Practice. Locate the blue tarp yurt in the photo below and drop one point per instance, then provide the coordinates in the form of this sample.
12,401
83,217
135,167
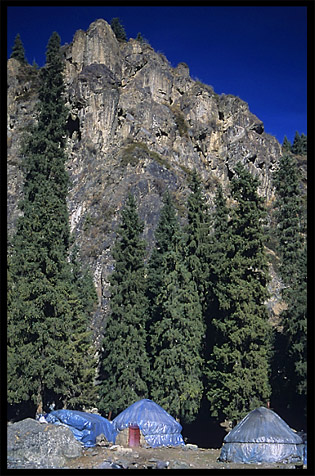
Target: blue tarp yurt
156,425
85,426
262,437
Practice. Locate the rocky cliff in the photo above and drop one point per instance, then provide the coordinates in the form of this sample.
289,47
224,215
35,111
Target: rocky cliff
135,124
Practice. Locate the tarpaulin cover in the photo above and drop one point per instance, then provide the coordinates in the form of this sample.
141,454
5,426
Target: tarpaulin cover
305,452
262,436
157,426
303,435
85,426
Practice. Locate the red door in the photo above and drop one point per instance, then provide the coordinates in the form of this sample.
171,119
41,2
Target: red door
134,436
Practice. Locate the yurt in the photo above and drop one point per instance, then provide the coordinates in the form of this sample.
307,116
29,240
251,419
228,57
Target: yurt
262,437
85,426
146,423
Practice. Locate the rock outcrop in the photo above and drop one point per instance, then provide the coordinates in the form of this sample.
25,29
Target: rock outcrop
35,445
135,124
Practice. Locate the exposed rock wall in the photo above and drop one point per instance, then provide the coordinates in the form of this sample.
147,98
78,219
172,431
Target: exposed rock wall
34,445
135,124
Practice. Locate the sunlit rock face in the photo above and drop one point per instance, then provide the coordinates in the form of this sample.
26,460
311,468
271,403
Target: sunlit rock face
136,124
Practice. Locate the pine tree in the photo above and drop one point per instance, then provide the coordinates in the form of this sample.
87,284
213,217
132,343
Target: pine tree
48,339
298,144
220,254
83,361
176,327
83,280
124,362
118,29
303,144
238,368
286,146
139,37
18,51
197,242
168,225
291,235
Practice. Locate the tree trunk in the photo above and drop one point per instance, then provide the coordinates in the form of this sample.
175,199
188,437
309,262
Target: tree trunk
39,400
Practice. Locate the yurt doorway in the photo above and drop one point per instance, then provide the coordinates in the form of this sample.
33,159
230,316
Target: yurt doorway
134,436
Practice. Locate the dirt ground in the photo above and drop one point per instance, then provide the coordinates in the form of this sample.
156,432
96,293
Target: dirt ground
174,458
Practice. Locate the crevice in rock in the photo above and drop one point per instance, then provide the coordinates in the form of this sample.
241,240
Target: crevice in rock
72,126
161,133
252,158
230,173
198,149
259,128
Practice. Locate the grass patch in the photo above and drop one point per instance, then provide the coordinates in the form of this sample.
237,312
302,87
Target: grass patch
159,159
207,87
186,170
134,152
129,154
26,95
180,121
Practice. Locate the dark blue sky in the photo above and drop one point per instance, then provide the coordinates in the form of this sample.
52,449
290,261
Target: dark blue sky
258,53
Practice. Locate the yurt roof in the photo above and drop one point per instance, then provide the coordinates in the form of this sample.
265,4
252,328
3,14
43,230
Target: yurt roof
149,417
262,425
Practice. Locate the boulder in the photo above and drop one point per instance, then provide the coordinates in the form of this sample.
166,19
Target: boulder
31,444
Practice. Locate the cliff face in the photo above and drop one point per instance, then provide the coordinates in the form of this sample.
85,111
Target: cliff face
135,124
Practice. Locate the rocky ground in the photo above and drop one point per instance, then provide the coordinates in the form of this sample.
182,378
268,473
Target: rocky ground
187,457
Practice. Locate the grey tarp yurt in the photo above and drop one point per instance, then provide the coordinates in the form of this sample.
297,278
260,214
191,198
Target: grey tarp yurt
262,436
155,424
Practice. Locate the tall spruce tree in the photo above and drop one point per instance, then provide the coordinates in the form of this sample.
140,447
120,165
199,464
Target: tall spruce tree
221,252
82,353
286,145
197,239
176,327
299,146
49,346
291,235
303,144
18,51
124,362
238,368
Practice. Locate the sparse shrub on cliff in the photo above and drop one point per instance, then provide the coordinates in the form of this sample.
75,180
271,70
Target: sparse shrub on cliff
118,29
159,159
129,155
180,120
134,152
